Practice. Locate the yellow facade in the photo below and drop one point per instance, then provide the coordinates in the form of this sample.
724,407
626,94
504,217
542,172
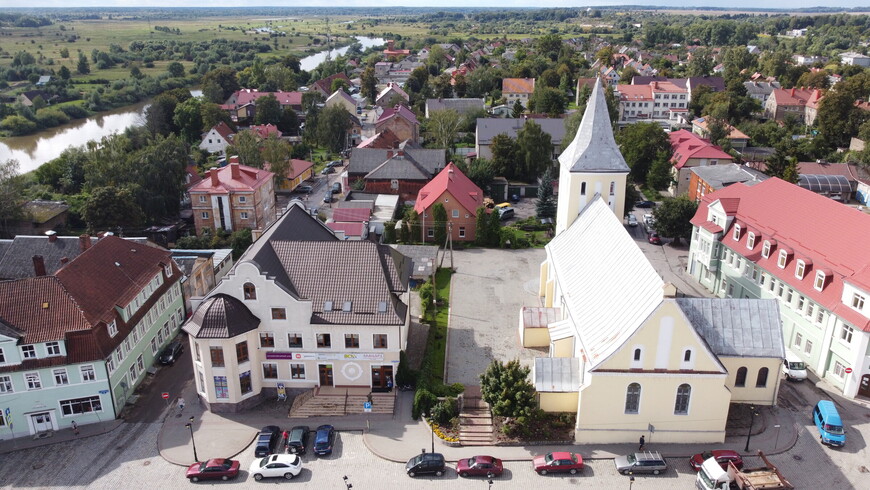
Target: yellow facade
535,337
751,392
563,348
577,189
558,402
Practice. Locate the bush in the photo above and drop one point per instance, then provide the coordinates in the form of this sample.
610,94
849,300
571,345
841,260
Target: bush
424,400
404,374
75,111
517,238
444,411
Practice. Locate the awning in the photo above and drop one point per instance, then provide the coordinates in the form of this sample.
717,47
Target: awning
828,184
557,374
561,330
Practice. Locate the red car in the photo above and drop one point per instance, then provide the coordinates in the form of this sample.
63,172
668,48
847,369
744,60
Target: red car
655,239
723,457
479,466
560,462
213,469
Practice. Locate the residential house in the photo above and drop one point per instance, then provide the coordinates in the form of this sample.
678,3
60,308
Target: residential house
38,217
29,97
222,259
423,260
804,60
784,103
751,49
264,131
690,150
402,171
462,106
756,242
341,98
217,138
350,223
197,269
393,51
324,85
43,80
233,198
705,180
853,58
241,105
488,128
517,89
737,138
76,344
401,121
391,96
298,172
715,84
610,75
280,317
760,91
386,139
460,197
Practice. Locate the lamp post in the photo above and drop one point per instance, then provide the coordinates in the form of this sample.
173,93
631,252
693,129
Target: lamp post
189,426
490,484
752,414
347,483
630,482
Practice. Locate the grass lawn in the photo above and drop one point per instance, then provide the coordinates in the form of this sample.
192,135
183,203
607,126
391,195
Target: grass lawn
436,345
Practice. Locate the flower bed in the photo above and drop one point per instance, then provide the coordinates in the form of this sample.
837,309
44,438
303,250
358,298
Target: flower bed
449,434
543,428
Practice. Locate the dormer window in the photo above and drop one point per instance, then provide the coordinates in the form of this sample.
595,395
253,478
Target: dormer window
736,232
799,269
765,250
168,270
820,281
783,257
113,328
750,240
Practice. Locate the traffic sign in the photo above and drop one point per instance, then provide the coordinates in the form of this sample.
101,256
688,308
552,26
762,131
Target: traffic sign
848,370
165,395
7,411
367,406
104,392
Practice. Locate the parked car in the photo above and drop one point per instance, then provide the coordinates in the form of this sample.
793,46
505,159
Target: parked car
327,171
515,198
794,367
324,439
171,353
645,462
327,197
505,213
654,238
297,442
266,440
644,204
649,219
558,462
425,464
336,188
632,220
723,457
479,466
275,466
213,469
305,189
335,163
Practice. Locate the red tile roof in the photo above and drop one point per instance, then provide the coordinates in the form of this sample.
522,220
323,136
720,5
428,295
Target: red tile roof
264,130
688,145
451,180
518,85
325,84
633,93
41,308
247,96
823,232
794,96
351,214
224,130
398,111
249,179
349,229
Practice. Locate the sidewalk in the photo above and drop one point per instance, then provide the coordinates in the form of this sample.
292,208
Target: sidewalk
57,437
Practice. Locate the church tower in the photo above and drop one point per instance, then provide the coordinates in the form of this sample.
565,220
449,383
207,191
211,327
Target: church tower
592,164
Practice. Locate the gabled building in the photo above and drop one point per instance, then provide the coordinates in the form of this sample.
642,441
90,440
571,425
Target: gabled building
690,150
775,240
232,198
402,171
711,178
462,106
217,138
760,90
391,96
37,217
401,121
488,128
264,131
739,140
298,172
241,105
517,89
341,98
460,197
300,309
324,85
793,102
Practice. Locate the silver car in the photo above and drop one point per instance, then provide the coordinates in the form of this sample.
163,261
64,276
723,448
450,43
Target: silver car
645,462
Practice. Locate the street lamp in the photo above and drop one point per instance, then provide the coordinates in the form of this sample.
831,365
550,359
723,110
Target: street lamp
630,482
346,483
752,414
490,483
189,426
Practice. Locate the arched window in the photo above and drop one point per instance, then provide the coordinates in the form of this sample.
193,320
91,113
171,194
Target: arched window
632,398
761,381
740,380
681,407
637,354
250,291
687,356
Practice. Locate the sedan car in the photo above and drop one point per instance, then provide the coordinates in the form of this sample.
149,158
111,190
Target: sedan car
723,457
297,442
479,466
632,220
276,466
327,197
335,163
213,469
558,462
327,171
324,439
644,204
171,353
336,188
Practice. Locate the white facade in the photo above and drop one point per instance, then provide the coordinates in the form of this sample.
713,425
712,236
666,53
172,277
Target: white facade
213,142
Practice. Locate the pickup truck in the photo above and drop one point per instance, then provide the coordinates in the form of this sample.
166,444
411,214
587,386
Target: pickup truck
713,477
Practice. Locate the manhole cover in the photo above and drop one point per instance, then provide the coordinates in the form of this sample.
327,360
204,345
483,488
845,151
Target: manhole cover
38,466
863,469
797,457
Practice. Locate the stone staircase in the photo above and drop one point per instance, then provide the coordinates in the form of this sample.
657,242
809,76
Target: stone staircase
337,402
475,420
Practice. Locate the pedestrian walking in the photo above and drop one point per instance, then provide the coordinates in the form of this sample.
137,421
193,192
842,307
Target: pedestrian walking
180,404
75,427
389,383
642,443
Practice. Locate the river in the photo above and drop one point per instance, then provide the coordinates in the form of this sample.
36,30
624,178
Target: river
33,150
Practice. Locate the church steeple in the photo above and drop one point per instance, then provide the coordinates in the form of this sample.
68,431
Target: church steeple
592,164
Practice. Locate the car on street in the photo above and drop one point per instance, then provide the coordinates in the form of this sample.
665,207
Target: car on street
649,219
334,163
723,457
632,220
558,462
327,171
276,466
654,238
213,469
297,442
324,439
171,353
327,197
642,462
425,464
644,204
479,466
266,440
305,189
336,188
505,213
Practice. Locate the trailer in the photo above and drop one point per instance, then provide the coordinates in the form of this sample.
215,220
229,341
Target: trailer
768,477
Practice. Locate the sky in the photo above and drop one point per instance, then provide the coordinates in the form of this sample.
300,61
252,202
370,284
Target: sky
782,4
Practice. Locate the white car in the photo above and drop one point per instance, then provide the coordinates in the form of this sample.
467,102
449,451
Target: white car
276,465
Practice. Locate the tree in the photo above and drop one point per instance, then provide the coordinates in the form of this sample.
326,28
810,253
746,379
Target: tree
546,205
632,195
481,171
518,109
188,119
369,87
641,143
504,153
659,176
672,218
64,73
332,126
442,127
83,67
439,219
534,151
175,69
482,236
212,114
701,63
222,83
268,110
276,151
507,390
246,145
550,101
159,115
159,175
109,208
11,188
390,237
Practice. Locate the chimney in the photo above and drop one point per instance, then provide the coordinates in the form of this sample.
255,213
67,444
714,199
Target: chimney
52,236
389,154
64,260
213,173
792,91
400,153
234,171
84,242
38,265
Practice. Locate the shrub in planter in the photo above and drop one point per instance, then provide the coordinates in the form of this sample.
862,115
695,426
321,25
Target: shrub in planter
424,400
404,374
444,411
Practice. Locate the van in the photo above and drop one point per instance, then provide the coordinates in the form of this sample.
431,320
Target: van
827,420
794,367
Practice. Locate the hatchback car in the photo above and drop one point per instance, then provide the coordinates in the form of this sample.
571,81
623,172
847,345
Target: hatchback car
336,188
276,466
335,163
266,440
213,469
654,238
645,462
297,442
327,197
632,220
505,213
723,457
324,439
558,462
425,464
171,353
479,466
327,171
644,204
